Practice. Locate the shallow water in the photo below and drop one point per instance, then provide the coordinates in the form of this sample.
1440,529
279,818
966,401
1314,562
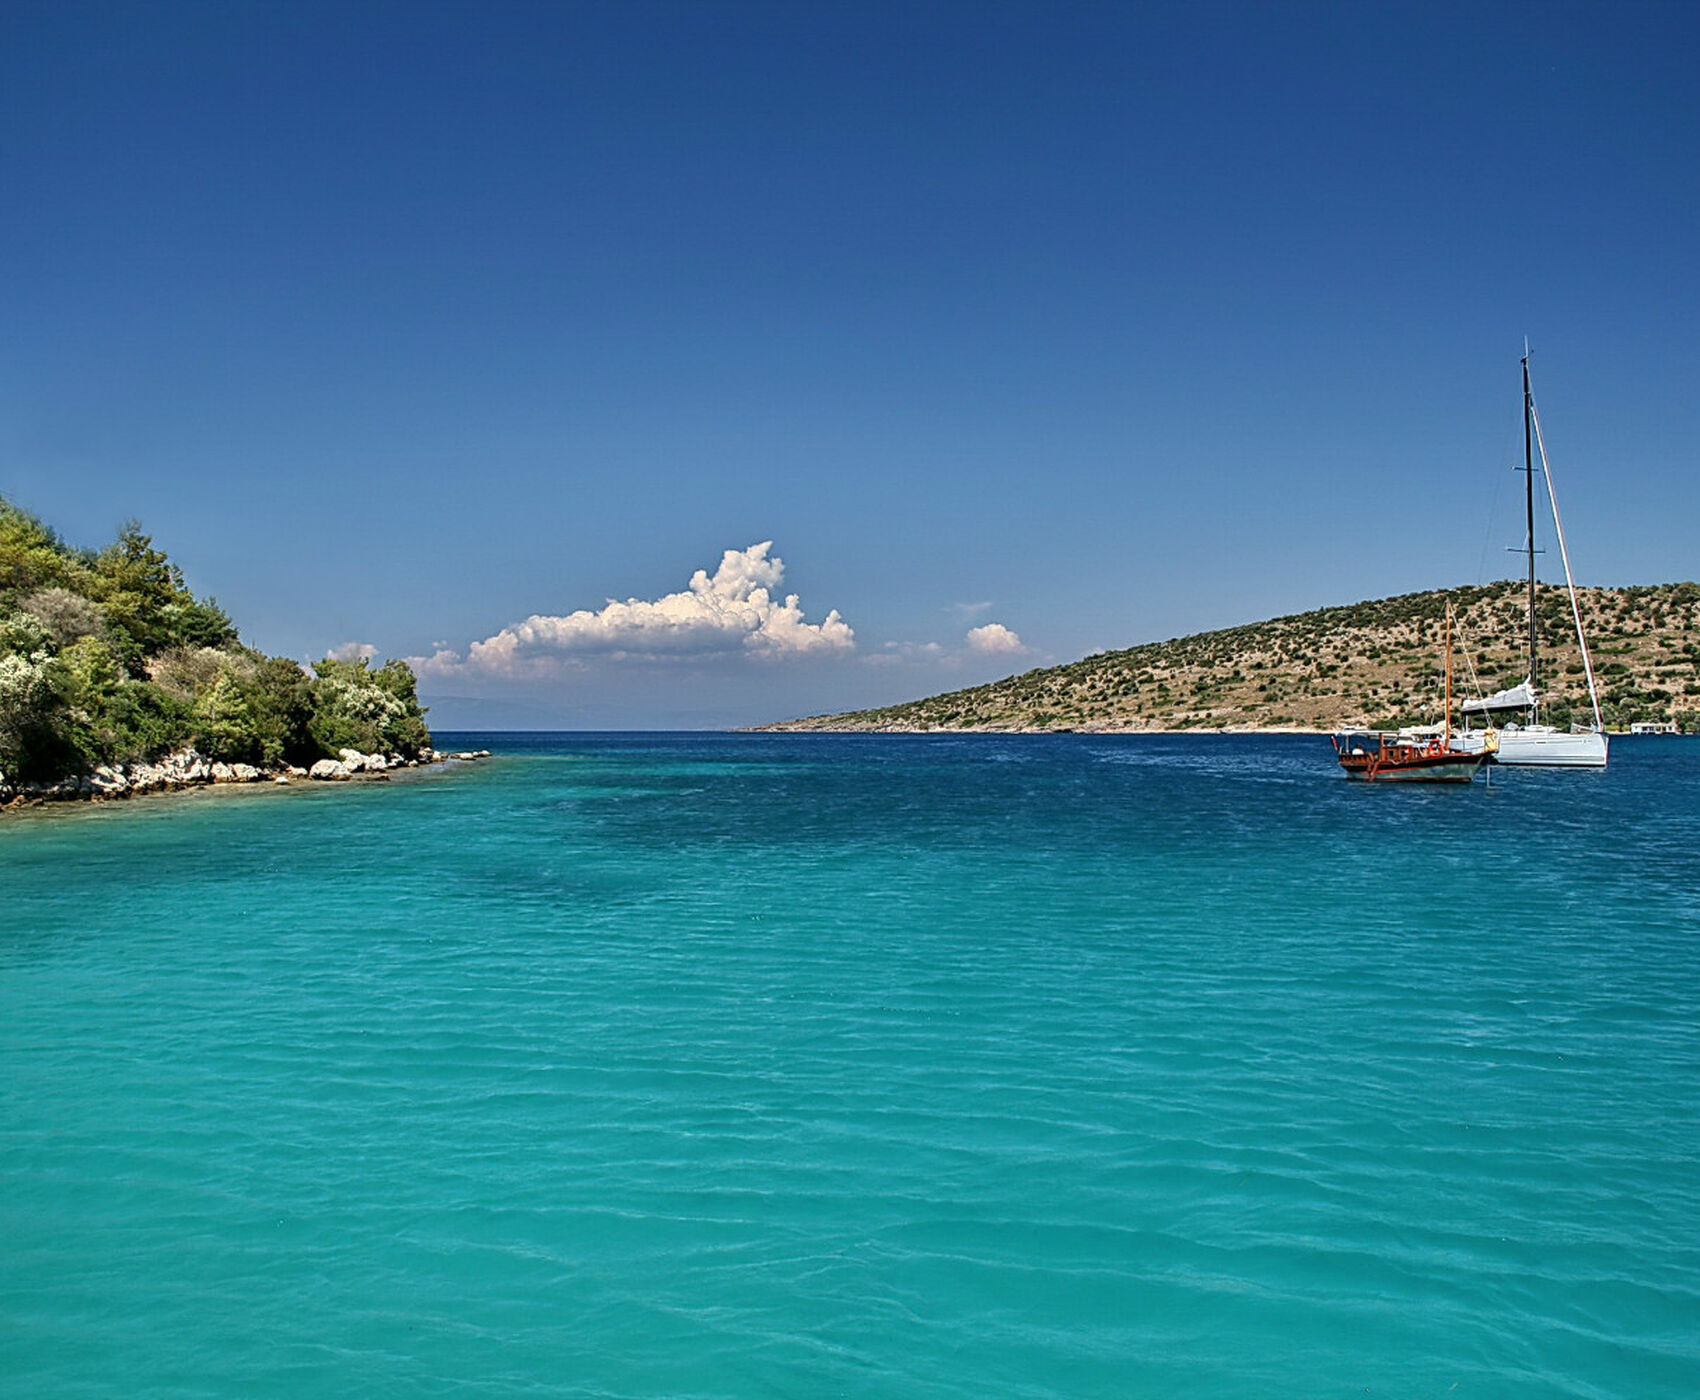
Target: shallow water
731,1066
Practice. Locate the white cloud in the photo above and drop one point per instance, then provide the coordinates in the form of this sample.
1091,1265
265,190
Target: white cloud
902,653
994,639
352,651
734,612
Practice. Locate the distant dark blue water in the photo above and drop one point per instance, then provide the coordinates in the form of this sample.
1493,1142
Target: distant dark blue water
715,1066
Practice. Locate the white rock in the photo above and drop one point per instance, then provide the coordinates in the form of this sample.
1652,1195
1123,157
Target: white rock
327,770
108,782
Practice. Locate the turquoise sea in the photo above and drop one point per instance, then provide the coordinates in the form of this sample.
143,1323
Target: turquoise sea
717,1067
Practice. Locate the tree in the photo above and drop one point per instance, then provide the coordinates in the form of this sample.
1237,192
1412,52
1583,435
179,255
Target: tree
143,596
355,707
34,557
31,715
224,721
274,699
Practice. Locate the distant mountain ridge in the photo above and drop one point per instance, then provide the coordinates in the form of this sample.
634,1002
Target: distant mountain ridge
1377,663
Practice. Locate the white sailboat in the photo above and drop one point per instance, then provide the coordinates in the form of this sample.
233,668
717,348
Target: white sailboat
1528,741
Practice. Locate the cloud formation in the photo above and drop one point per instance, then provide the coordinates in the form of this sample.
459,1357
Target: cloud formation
733,612
352,651
994,639
908,653
991,640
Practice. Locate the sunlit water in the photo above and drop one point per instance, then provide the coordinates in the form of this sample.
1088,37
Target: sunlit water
705,1067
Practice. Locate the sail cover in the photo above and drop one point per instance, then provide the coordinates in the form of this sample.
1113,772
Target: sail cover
1520,697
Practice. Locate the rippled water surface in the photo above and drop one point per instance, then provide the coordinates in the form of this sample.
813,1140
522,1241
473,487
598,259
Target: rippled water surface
742,1066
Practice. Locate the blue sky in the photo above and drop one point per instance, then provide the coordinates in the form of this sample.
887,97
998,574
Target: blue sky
431,328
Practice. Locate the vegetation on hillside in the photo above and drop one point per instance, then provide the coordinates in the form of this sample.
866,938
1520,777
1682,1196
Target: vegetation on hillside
106,657
1378,663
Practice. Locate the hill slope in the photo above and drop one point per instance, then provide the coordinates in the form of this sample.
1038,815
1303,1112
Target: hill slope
1375,663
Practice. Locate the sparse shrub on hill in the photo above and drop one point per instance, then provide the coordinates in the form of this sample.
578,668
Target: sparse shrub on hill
1378,661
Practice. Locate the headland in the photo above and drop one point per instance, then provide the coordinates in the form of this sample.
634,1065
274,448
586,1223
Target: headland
1375,664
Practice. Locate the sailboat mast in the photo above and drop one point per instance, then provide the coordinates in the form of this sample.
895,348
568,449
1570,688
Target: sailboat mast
1449,674
1529,503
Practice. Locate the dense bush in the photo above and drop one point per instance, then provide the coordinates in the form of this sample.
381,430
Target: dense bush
31,733
108,656
358,708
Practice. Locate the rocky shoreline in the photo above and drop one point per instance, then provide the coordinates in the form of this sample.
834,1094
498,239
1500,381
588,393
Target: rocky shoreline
186,769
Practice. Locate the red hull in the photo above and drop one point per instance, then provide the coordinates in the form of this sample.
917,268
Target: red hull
1411,763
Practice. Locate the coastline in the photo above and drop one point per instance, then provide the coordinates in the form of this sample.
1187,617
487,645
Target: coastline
808,727
188,771
1371,664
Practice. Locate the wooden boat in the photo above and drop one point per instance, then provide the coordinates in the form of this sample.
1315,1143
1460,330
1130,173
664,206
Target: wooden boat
1379,757
1410,755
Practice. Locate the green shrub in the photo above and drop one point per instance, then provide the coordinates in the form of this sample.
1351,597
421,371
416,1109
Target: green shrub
65,616
33,720
33,557
356,707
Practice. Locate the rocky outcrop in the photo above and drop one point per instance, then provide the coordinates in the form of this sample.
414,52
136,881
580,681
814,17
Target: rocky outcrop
178,770
187,769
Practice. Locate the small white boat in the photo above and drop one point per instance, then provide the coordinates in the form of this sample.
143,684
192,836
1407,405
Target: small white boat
1527,741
